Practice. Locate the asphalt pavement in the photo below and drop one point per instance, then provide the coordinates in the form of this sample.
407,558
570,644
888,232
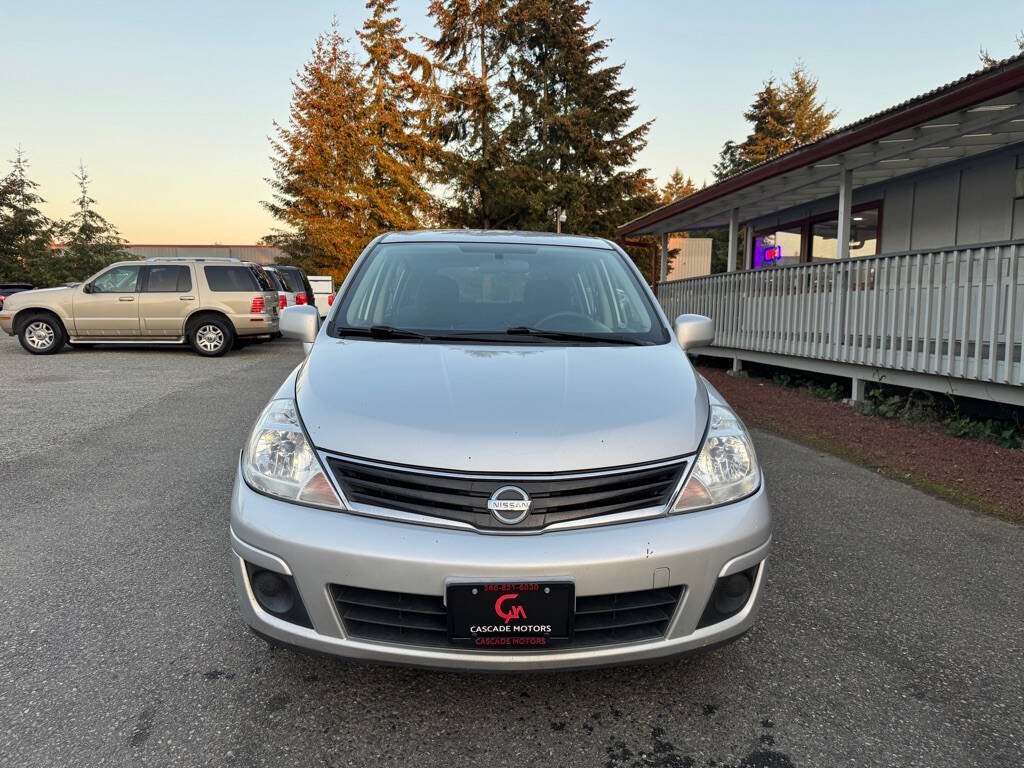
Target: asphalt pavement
892,632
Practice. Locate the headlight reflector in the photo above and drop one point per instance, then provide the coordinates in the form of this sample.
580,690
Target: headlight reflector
726,468
279,460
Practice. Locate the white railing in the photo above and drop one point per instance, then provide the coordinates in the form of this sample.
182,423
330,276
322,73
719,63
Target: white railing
953,313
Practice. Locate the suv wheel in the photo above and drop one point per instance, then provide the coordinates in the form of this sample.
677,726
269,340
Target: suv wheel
41,335
211,336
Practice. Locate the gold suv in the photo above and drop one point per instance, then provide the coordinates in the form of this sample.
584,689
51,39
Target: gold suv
208,303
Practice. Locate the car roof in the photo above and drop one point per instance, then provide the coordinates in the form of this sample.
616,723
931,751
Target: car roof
494,236
172,260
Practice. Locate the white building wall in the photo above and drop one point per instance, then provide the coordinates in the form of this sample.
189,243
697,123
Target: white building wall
692,257
965,203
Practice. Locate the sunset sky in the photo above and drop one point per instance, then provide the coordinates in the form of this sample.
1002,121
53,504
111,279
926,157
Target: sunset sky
170,105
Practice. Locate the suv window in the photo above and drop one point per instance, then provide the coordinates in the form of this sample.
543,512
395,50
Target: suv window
168,279
275,280
117,280
291,279
261,277
232,279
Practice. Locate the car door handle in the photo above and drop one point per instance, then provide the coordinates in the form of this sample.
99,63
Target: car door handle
126,298
187,298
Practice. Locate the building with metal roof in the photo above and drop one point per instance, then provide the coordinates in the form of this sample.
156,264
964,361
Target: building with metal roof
887,250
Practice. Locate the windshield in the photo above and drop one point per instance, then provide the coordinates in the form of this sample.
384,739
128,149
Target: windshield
498,292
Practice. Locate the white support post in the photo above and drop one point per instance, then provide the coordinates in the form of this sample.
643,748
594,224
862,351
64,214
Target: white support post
748,247
857,390
664,256
845,204
734,232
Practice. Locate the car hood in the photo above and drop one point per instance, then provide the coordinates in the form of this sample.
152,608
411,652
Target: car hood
500,408
15,300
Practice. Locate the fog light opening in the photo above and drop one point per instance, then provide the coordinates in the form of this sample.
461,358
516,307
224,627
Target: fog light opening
732,593
272,593
730,596
277,594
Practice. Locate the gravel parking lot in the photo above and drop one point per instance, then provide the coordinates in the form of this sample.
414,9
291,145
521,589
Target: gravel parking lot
890,636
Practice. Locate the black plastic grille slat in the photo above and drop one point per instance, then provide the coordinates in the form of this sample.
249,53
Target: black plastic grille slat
374,598
625,600
389,618
422,620
555,499
631,617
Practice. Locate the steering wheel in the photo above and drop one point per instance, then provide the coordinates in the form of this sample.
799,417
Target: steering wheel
577,322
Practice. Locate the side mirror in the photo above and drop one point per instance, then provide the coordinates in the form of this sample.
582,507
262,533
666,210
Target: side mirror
300,321
87,288
694,331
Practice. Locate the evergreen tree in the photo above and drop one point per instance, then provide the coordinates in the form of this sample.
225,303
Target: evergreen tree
570,135
470,50
772,126
987,60
677,187
808,118
730,161
89,241
322,189
399,131
782,117
25,233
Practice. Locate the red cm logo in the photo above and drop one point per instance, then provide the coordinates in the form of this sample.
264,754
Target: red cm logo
514,611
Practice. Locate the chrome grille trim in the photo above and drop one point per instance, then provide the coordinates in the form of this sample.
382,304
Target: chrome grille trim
684,463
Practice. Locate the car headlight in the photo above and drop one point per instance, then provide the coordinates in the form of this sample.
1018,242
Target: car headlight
280,461
726,468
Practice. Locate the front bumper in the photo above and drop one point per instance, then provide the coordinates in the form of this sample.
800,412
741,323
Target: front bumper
7,322
319,548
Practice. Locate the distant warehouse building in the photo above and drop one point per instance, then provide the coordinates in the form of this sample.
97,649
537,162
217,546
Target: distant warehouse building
257,254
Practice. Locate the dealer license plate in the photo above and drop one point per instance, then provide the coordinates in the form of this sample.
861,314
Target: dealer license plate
511,616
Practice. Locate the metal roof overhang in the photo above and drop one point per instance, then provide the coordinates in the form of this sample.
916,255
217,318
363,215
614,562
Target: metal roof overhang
979,114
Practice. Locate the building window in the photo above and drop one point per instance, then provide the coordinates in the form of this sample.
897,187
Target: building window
778,247
864,225
814,239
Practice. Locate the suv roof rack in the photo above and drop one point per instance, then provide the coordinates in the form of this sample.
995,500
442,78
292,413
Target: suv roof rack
194,258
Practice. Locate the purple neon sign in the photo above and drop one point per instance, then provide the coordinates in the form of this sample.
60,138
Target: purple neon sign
766,254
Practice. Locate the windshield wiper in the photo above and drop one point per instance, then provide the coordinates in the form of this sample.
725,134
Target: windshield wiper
523,330
381,332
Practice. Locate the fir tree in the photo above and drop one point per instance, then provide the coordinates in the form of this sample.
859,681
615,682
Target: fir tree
782,117
730,161
322,190
772,126
677,187
470,50
89,241
399,126
987,60
808,118
570,136
25,233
